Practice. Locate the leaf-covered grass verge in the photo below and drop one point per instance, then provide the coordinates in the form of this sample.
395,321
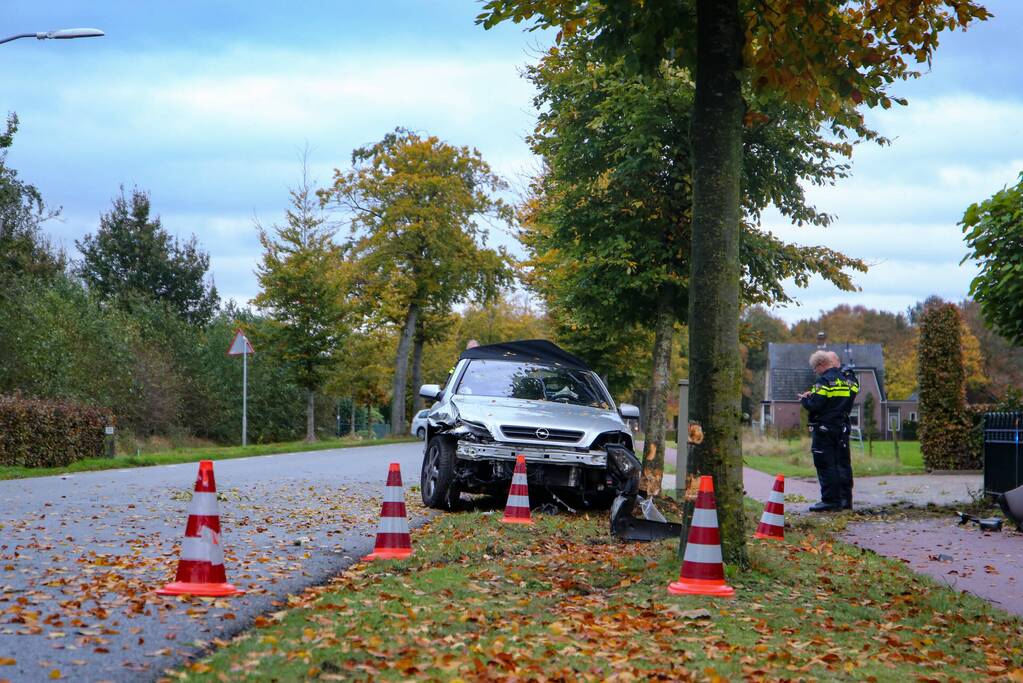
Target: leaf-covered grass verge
175,456
561,601
792,458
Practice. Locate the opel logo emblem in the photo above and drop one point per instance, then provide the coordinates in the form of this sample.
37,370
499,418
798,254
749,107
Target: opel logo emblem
542,433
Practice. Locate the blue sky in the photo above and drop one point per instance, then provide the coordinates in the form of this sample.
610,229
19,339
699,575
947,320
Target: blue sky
207,106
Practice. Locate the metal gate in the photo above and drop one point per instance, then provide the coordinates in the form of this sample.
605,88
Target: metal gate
1003,451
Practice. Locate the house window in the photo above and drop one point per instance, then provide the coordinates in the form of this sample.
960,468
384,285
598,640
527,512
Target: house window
854,416
894,420
912,416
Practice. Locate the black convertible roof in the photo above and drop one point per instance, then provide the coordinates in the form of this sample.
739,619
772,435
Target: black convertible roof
527,351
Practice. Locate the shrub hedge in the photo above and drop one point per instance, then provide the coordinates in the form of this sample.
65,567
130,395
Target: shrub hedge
49,433
947,428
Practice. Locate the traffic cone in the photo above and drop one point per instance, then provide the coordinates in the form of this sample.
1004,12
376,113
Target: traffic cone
702,570
517,509
393,539
201,564
772,522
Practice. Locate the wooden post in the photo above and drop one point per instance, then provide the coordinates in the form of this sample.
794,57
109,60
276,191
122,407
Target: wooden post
895,442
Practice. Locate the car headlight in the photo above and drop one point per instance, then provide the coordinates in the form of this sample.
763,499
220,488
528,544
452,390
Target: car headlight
623,461
470,428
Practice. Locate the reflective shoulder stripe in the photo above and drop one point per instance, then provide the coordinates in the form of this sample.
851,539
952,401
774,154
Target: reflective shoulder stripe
831,391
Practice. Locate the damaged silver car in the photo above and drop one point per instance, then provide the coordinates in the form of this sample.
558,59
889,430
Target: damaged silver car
532,398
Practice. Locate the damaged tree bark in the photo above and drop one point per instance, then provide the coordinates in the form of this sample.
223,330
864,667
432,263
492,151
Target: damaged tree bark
654,441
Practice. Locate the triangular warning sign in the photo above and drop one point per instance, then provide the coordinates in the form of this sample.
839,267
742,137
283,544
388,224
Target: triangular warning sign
240,345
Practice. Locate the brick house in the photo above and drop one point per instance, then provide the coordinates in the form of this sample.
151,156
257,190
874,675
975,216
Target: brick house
788,375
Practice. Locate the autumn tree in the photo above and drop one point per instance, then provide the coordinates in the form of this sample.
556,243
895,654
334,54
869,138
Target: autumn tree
416,204
831,56
900,369
607,227
132,255
507,317
432,326
1002,362
759,328
302,291
363,369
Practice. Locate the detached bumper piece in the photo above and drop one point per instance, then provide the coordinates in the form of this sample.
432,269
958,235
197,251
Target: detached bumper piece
625,469
628,528
985,524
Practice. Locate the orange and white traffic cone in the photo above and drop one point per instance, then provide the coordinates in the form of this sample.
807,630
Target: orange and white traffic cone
201,565
772,522
393,539
517,509
703,573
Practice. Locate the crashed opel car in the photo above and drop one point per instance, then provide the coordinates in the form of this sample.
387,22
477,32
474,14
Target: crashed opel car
533,399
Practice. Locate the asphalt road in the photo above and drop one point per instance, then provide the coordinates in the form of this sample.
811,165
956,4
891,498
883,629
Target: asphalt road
80,555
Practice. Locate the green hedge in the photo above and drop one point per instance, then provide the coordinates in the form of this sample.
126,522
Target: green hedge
49,433
947,438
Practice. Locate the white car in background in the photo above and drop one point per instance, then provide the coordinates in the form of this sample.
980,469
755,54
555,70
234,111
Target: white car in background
419,424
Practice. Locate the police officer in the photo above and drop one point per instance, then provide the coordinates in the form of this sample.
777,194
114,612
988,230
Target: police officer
845,460
829,403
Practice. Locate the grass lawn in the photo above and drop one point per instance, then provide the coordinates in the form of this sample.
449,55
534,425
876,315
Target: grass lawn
171,457
561,601
792,458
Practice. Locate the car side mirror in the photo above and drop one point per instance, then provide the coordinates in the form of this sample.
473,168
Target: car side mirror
430,391
628,411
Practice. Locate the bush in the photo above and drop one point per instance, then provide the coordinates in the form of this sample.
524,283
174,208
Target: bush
47,433
947,428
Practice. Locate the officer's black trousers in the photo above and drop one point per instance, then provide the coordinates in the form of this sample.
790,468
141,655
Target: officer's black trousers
830,447
845,472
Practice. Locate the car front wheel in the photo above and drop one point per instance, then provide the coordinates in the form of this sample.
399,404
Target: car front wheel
438,477
420,433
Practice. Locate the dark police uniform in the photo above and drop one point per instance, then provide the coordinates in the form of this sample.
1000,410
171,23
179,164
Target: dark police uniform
829,403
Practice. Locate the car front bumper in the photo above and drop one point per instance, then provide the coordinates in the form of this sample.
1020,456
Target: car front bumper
552,455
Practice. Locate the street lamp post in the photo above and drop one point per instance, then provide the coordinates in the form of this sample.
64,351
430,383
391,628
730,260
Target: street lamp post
62,34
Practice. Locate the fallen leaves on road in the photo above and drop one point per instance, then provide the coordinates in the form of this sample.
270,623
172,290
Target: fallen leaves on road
482,601
80,574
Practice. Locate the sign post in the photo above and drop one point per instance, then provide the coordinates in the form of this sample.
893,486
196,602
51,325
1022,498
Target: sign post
240,346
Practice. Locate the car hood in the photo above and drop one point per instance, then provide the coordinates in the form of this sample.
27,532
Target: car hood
497,413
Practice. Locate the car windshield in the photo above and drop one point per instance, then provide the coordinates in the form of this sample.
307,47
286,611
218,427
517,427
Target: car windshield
508,379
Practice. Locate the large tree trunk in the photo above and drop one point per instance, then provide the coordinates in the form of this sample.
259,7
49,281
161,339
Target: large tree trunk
399,427
351,416
653,445
417,370
310,416
715,369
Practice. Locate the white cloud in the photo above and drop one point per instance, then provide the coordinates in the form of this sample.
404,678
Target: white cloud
215,137
899,211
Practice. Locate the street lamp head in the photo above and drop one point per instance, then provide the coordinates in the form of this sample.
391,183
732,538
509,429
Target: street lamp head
68,33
